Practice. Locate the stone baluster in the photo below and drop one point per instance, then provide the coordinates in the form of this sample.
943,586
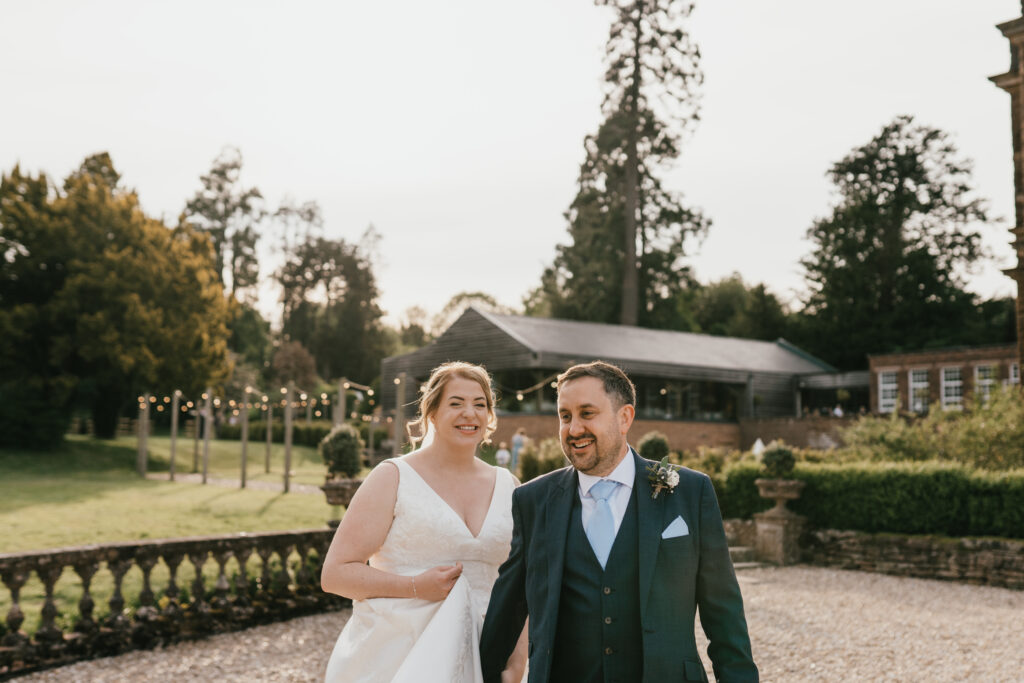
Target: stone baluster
303,576
86,624
172,560
146,562
242,591
118,568
48,634
222,587
198,559
14,579
265,552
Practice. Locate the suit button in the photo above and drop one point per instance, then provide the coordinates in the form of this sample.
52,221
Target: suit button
607,590
607,620
607,650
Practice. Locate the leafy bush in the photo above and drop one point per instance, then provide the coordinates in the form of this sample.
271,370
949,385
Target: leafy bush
342,451
653,446
711,461
540,459
909,498
778,461
988,435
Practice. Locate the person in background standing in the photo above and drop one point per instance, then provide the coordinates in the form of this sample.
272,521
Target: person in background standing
518,441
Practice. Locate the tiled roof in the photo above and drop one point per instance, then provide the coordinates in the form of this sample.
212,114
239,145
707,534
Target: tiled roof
638,344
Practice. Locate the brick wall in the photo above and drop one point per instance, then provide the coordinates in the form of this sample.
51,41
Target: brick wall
804,432
990,562
966,359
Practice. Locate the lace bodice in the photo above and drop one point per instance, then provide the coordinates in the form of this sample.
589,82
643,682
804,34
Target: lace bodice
427,532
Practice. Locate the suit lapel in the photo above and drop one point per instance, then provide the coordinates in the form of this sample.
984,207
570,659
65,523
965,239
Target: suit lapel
556,528
651,513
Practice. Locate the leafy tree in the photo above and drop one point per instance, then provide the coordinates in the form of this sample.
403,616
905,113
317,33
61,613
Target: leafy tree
414,330
330,301
293,363
729,308
250,337
628,232
122,304
886,270
231,215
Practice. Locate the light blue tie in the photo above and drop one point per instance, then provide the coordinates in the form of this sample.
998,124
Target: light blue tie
601,530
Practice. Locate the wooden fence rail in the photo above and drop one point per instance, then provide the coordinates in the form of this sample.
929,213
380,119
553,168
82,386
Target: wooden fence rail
273,576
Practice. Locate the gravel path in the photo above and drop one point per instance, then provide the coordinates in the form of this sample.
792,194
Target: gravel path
806,623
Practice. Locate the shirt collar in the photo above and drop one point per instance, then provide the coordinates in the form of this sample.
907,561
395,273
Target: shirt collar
624,473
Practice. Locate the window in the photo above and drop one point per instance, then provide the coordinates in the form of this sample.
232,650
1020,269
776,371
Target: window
1014,373
919,391
888,391
984,380
952,388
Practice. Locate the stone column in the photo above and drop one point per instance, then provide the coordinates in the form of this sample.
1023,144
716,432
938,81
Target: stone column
1011,82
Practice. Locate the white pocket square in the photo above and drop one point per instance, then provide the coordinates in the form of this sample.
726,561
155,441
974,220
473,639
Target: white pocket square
676,528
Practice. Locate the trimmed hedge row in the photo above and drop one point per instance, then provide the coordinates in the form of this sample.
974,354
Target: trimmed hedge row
908,498
303,433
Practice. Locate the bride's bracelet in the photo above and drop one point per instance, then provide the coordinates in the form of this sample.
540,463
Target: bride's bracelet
414,594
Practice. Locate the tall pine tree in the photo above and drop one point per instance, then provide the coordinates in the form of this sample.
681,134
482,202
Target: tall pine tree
628,231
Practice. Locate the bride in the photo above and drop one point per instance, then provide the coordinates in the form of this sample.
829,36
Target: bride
434,526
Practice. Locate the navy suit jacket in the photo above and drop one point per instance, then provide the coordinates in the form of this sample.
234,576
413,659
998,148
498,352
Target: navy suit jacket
677,576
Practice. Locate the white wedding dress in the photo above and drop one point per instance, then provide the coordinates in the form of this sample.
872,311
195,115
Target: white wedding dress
404,640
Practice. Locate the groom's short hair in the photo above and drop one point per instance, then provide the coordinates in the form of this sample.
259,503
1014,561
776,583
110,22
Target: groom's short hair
616,384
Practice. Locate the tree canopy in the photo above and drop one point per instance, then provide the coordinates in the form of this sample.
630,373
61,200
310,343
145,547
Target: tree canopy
99,302
886,272
628,232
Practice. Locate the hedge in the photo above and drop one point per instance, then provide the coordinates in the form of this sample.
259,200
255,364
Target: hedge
908,498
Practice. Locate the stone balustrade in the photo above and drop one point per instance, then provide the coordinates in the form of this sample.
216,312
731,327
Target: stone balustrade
275,576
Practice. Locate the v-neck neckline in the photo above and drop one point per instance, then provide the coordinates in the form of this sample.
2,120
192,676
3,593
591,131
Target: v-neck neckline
487,515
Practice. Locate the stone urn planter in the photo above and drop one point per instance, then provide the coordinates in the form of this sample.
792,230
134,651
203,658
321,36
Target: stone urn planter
342,451
778,529
780,490
339,493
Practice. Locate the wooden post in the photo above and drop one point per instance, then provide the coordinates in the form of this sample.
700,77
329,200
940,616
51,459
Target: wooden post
140,459
198,415
339,406
309,407
288,435
245,432
270,433
175,409
207,428
398,432
370,431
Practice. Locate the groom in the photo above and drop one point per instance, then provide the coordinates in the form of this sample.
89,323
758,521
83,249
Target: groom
609,570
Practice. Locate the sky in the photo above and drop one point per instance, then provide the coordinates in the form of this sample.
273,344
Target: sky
456,127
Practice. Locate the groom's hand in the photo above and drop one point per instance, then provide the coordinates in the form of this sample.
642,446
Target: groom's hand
435,584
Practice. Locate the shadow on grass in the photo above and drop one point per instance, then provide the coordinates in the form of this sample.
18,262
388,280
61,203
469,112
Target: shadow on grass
79,469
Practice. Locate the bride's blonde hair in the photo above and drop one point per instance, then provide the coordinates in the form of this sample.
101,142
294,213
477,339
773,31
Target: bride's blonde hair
433,390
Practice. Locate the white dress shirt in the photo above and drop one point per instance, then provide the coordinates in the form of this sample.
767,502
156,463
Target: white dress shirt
625,474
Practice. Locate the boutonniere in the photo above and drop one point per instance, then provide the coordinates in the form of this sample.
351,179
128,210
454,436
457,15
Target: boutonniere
662,476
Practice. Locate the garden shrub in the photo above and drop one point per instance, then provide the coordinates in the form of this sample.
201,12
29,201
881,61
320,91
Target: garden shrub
778,461
909,498
988,435
653,446
540,459
342,451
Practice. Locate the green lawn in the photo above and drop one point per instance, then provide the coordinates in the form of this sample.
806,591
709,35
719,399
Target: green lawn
88,492
226,459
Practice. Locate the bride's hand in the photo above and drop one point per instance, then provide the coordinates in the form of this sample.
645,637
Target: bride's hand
435,584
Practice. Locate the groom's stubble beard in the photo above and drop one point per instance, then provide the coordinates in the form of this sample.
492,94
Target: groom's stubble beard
603,456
